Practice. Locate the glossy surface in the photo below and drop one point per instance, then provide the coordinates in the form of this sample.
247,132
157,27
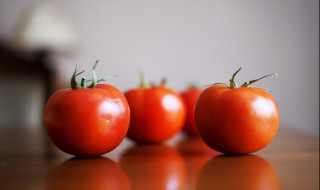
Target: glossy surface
236,121
157,114
158,164
190,97
90,173
247,172
29,161
87,122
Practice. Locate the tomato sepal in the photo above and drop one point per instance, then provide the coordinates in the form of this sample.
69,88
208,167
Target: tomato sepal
233,84
144,83
83,84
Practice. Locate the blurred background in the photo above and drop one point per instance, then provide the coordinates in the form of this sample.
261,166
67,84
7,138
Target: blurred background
189,42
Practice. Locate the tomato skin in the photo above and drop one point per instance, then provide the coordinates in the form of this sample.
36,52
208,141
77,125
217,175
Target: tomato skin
87,122
190,97
157,114
236,121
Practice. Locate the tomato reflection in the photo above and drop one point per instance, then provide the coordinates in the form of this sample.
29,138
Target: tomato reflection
82,174
155,166
195,146
238,172
195,153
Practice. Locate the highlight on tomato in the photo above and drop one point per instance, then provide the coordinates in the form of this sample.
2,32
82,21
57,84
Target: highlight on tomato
87,120
157,112
190,97
236,119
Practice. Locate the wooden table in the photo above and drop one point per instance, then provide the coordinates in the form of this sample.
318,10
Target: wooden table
29,161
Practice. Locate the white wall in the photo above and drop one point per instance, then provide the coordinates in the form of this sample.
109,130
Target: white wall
201,42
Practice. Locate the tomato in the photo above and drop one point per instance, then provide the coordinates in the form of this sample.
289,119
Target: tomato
93,173
248,172
154,166
87,121
236,120
157,113
190,97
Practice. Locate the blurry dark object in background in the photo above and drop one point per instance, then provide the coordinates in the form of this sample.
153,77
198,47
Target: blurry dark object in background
29,62
15,64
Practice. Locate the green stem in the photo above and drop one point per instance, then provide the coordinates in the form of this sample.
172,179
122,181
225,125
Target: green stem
232,83
163,81
94,76
246,84
143,81
83,82
74,84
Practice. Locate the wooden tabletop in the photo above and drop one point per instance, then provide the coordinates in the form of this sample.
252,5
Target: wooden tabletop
28,160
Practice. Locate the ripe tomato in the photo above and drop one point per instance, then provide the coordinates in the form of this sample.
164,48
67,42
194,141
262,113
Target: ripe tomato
190,97
157,113
87,121
236,120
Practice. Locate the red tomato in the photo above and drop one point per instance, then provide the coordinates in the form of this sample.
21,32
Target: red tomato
87,121
190,97
157,114
236,120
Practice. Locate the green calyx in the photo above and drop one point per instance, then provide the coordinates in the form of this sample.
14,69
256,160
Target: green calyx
233,84
83,83
144,83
